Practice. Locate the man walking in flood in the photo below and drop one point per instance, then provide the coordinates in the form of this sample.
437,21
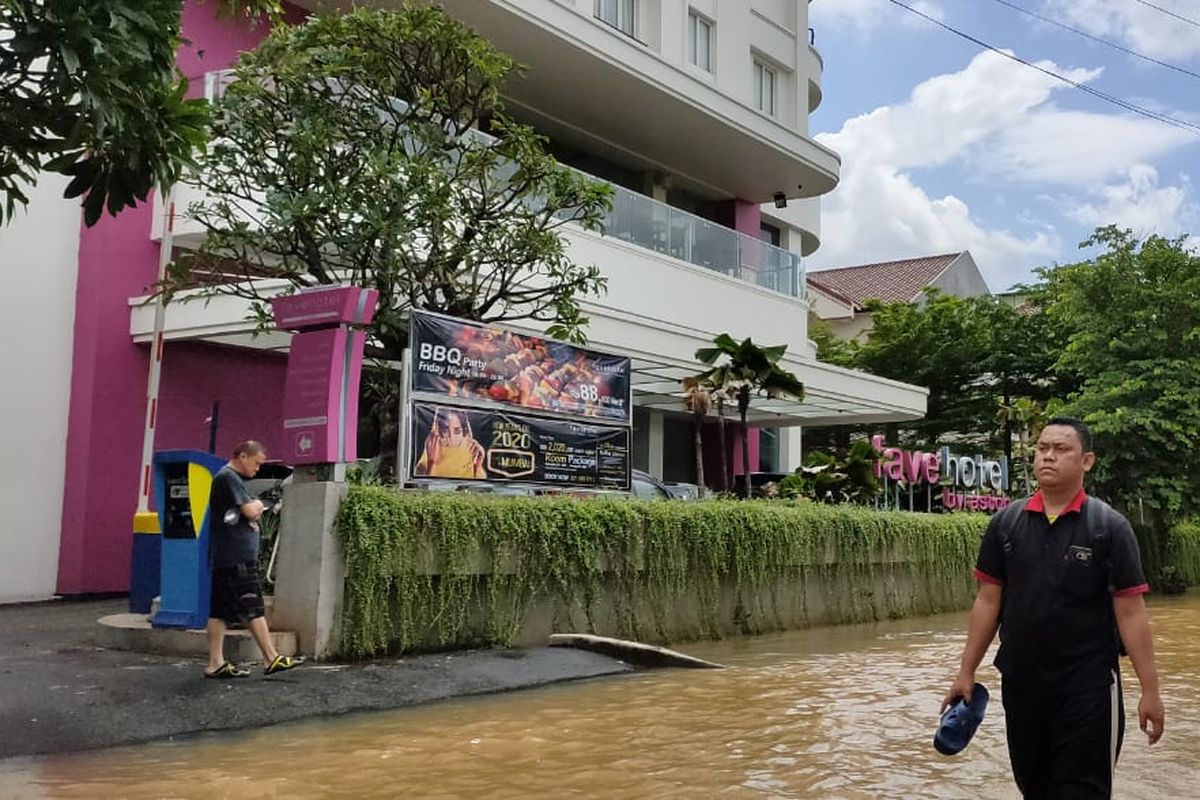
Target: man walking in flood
233,542
1060,577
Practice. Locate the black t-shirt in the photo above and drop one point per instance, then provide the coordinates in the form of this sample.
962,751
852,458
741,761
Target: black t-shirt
236,543
1057,626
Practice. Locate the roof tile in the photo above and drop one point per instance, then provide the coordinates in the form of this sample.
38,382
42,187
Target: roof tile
889,281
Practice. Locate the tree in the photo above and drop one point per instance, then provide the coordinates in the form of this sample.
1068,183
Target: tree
1133,314
698,401
747,370
831,348
89,89
348,150
1025,418
971,353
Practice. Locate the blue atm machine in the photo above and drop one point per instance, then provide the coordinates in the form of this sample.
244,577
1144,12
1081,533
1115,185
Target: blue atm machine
182,482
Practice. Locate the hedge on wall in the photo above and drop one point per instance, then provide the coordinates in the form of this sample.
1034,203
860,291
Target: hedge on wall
436,570
1182,556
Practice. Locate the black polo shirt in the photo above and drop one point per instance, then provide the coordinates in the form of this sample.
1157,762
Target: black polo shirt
1057,626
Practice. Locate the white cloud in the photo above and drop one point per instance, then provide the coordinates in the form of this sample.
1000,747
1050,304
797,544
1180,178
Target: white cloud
1079,147
1140,27
992,123
878,214
1139,203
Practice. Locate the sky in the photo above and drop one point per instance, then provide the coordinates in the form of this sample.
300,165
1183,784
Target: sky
946,146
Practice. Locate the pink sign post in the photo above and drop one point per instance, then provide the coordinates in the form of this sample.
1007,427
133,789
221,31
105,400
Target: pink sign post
320,396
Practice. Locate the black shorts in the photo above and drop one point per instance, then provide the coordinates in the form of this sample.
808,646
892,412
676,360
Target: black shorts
1064,744
236,594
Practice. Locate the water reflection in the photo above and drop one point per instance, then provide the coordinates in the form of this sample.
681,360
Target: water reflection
830,713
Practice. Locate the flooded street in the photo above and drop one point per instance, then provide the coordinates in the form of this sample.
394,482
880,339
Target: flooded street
832,713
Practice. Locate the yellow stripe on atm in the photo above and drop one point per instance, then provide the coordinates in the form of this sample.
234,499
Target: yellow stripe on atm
146,522
199,484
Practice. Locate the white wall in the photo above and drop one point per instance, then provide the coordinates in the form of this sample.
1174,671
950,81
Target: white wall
679,301
39,256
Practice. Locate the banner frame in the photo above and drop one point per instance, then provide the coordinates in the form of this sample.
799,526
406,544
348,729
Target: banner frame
482,403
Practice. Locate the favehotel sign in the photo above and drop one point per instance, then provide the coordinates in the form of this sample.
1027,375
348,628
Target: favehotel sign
960,478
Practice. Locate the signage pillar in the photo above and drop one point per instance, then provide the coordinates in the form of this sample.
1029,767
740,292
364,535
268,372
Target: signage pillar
320,396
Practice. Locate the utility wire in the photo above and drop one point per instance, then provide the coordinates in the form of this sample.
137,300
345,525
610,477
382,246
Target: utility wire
1145,112
1169,13
1086,35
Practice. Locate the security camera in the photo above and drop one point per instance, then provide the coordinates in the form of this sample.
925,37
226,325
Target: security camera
780,200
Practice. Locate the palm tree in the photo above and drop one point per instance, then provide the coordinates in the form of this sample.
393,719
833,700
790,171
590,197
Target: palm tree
715,384
747,370
1025,417
698,401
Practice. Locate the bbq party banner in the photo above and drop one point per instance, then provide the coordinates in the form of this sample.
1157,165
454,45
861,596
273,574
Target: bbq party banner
464,444
464,359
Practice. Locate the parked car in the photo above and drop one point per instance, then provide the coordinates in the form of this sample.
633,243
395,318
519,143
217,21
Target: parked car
645,486
686,491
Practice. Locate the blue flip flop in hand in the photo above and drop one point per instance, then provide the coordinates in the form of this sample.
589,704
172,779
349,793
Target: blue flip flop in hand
960,721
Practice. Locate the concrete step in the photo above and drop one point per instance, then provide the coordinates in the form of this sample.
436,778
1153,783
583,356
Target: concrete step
134,632
268,608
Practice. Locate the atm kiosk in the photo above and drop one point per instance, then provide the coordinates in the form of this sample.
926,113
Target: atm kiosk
182,482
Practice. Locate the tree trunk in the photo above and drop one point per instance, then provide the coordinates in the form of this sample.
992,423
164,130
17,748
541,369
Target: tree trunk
743,410
724,448
1008,429
388,417
1025,462
697,432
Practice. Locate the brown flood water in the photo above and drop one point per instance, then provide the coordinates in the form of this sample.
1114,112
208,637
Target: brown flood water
831,713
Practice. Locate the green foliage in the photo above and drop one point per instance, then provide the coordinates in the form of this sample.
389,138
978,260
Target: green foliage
1024,418
1134,319
829,478
89,89
1182,567
830,347
353,143
745,369
430,571
972,353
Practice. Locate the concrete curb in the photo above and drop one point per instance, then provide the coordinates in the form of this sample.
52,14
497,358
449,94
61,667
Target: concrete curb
133,632
636,653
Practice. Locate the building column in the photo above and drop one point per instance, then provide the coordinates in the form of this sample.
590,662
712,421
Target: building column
791,448
657,437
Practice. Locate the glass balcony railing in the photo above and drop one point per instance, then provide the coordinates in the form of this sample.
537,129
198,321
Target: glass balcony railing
646,222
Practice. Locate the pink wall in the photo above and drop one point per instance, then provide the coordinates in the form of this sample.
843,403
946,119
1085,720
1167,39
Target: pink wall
247,384
108,387
744,217
117,260
737,449
216,43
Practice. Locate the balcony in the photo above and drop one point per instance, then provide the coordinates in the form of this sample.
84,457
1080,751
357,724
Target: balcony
596,89
634,218
648,223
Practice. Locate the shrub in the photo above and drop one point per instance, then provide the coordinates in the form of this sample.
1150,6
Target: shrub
437,570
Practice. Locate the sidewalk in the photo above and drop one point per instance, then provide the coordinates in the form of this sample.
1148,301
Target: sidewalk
60,692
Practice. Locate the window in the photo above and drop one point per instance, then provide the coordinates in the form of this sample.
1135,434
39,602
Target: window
215,83
768,449
618,13
770,234
700,41
764,88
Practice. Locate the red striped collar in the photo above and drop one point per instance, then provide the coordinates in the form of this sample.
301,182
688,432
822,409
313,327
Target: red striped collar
1037,503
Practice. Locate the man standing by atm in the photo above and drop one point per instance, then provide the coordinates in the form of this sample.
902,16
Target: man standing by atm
233,543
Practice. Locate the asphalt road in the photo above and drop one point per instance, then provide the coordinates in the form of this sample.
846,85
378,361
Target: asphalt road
60,692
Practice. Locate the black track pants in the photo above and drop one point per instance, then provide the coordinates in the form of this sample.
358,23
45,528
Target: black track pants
1063,743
